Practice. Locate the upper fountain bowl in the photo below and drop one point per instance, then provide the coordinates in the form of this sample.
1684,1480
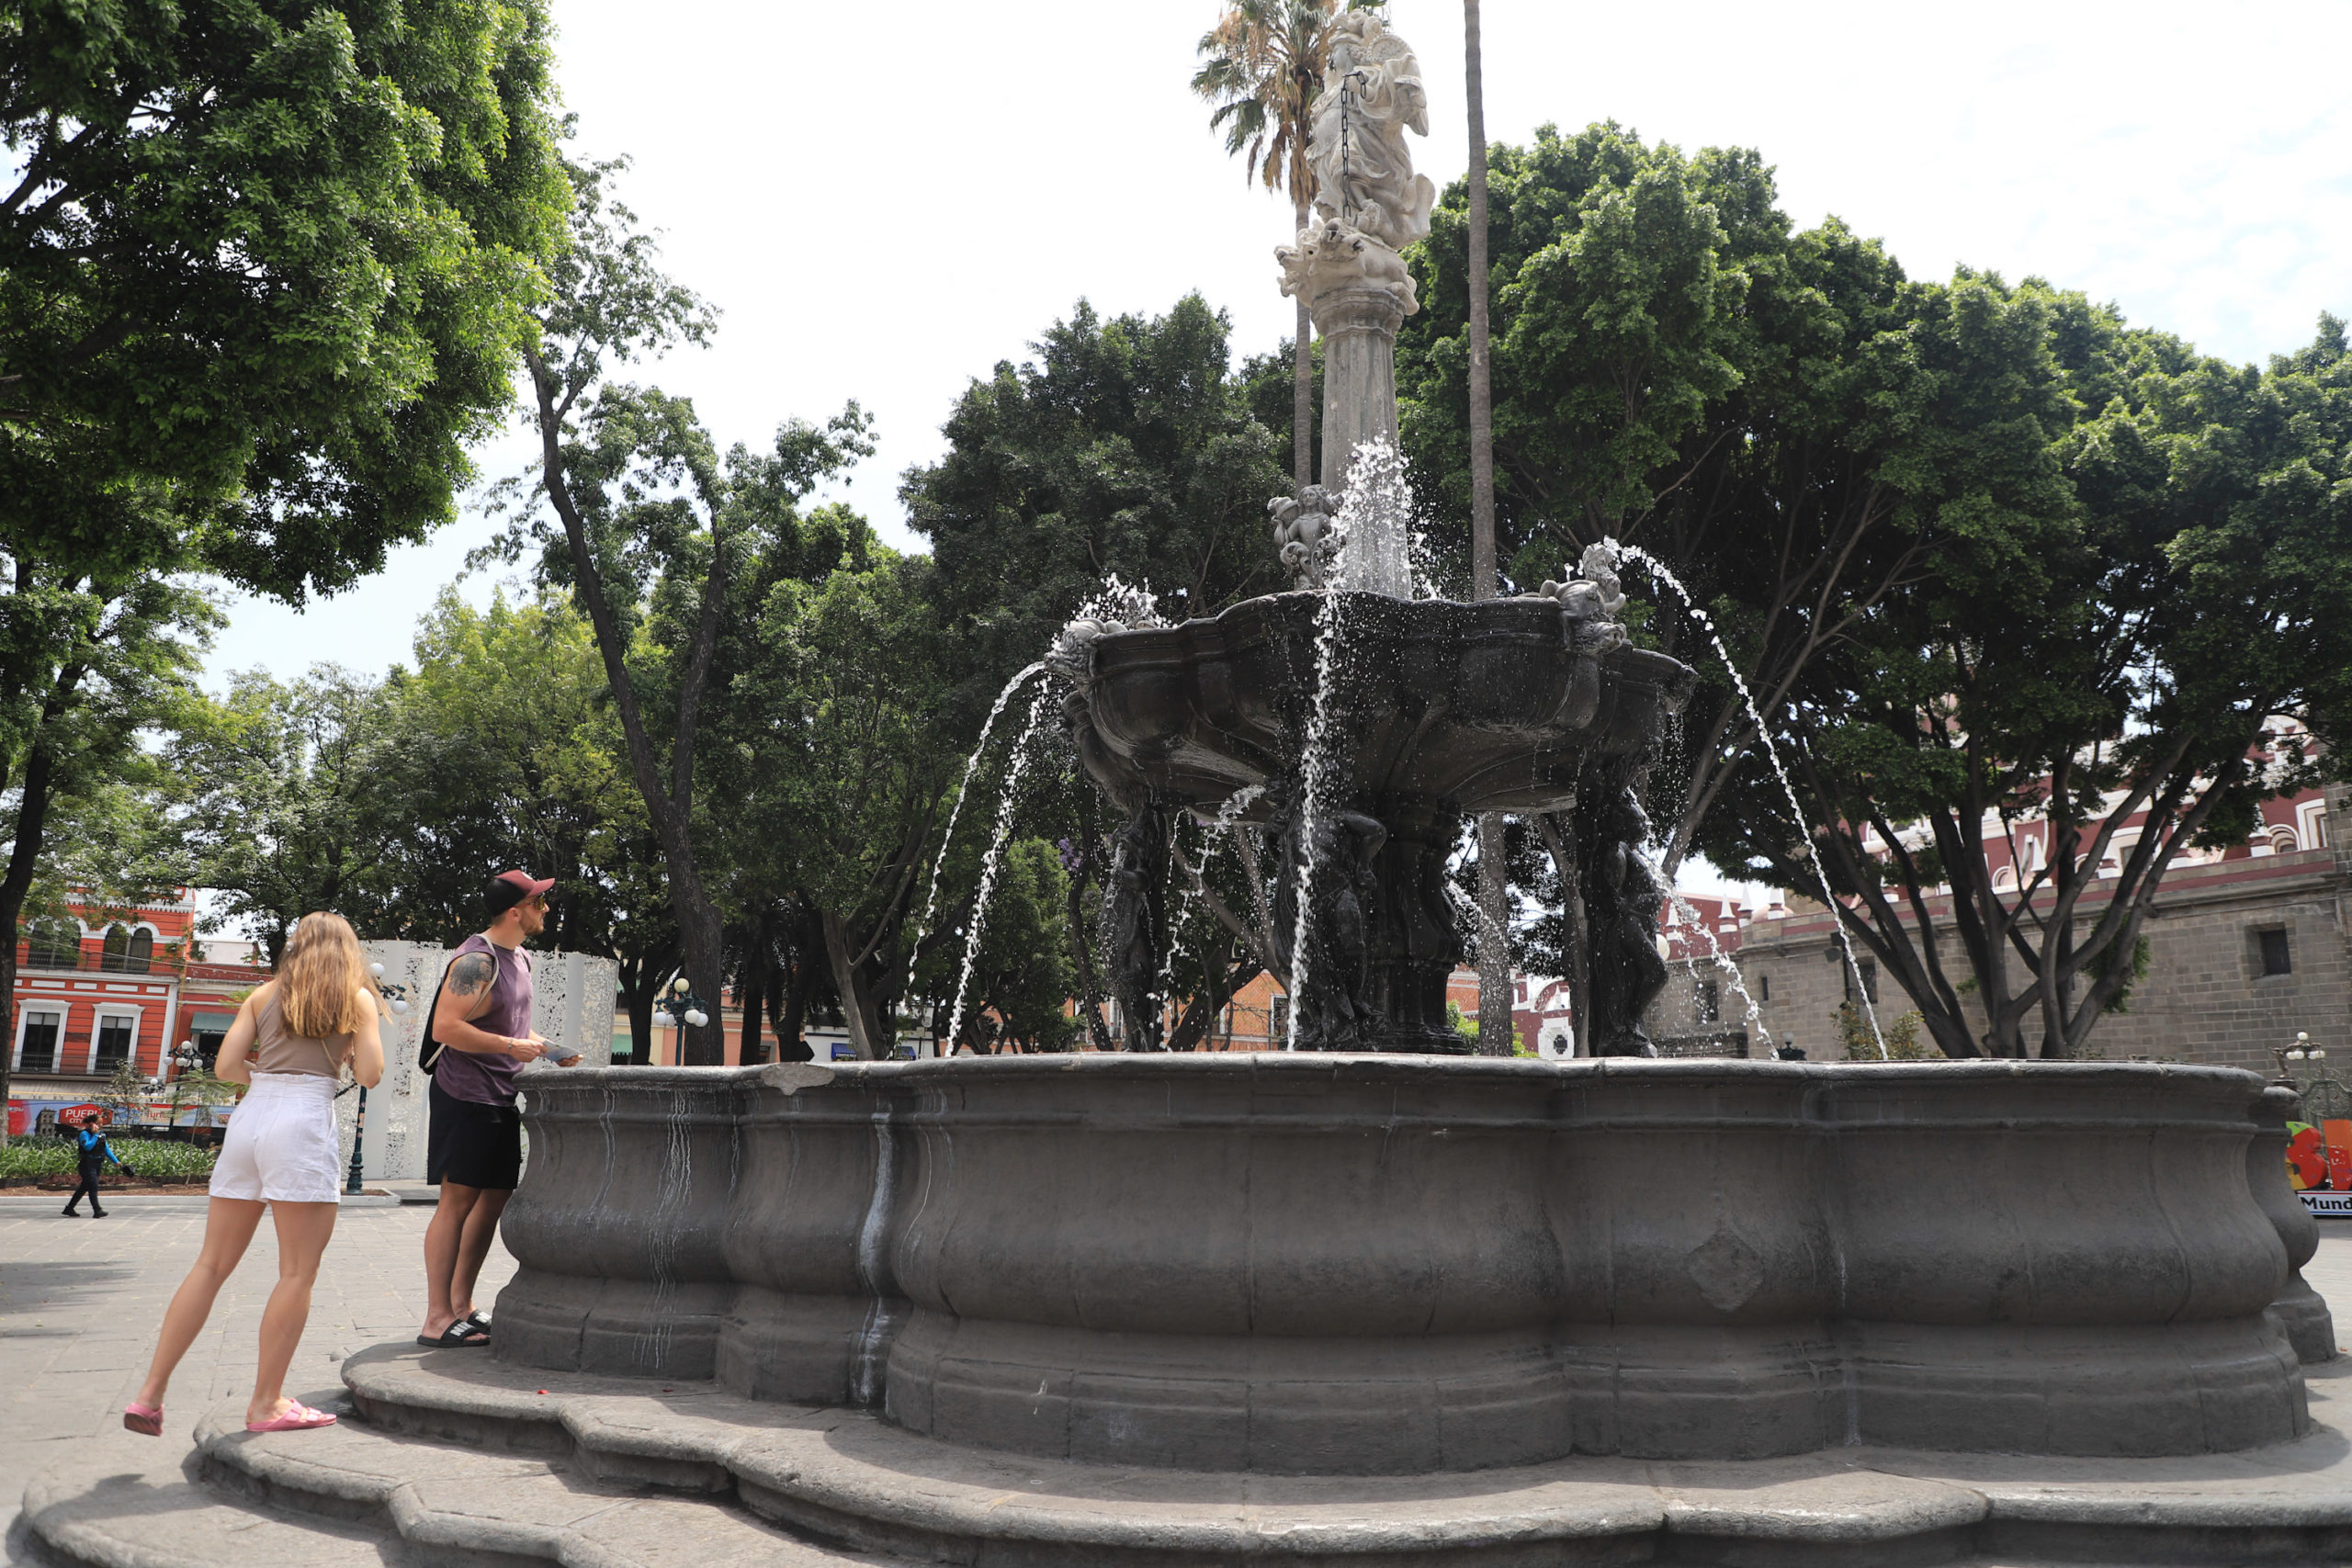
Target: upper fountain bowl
1495,705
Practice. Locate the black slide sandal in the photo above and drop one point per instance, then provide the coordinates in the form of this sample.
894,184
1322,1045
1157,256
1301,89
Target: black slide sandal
464,1332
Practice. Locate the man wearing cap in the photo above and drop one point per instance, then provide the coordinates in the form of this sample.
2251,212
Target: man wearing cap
476,1039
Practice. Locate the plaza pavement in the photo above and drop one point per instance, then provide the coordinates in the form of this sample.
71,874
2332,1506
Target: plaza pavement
80,1299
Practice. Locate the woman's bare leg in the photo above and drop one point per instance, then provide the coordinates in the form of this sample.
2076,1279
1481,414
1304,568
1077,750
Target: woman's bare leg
303,1230
228,1227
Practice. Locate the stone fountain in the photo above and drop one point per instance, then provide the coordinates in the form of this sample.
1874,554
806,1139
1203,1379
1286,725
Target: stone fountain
1413,710
1366,1301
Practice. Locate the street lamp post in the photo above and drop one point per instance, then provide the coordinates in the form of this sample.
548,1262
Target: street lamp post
676,1010
183,1056
2323,1097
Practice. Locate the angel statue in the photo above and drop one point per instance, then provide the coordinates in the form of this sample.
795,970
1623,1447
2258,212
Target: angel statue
1371,94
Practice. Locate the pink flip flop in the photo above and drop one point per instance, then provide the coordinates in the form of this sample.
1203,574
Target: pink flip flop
299,1417
147,1418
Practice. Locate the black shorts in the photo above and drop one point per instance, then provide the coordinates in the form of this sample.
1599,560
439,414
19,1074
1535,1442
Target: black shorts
471,1143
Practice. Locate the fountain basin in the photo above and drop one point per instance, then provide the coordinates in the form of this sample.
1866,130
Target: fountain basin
1330,1264
1486,706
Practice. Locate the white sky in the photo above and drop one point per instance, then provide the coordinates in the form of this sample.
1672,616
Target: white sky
884,200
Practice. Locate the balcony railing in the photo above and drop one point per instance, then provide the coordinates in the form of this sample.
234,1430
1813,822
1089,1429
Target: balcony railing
91,960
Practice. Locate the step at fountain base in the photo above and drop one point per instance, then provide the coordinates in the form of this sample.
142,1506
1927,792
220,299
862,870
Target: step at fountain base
459,1459
455,1460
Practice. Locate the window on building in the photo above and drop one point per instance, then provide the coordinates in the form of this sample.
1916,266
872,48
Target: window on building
41,1032
1277,1017
1869,966
127,951
1763,987
51,945
1710,1002
113,1041
2310,824
2276,959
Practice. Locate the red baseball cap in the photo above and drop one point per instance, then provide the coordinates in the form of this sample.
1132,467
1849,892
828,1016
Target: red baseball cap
509,888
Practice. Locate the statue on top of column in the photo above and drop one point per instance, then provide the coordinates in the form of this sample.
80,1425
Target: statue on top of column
1372,96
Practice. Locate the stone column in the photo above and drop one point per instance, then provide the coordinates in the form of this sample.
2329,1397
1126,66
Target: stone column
1359,293
1358,324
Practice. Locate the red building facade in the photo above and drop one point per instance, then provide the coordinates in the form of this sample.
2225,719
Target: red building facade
101,987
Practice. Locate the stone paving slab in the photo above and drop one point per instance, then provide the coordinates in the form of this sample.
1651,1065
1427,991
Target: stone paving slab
81,1300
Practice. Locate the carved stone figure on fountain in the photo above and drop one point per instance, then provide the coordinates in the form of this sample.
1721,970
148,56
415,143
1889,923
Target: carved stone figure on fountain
1622,895
1369,205
1329,257
1363,171
1594,601
1134,922
1306,535
1335,1008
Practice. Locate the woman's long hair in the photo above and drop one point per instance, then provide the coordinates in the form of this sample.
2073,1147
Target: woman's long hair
321,976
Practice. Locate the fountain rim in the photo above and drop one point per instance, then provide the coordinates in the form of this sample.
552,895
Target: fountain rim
792,1076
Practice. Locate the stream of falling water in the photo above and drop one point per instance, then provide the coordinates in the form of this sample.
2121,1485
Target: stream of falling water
1228,812
1773,752
993,861
971,763
1311,766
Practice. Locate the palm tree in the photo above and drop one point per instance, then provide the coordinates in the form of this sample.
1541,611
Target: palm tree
1262,67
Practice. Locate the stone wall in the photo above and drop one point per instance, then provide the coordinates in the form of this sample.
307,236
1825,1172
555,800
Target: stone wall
2203,999
571,1002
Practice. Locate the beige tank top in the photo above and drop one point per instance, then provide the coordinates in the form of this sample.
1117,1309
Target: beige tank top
278,1050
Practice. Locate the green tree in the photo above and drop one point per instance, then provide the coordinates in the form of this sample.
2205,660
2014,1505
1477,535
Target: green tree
844,770
1780,417
2128,661
516,758
294,796
650,522
263,269
87,665
1023,977
1125,449
273,257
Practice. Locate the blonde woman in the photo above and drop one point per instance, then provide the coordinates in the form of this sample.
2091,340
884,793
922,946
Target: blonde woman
291,1041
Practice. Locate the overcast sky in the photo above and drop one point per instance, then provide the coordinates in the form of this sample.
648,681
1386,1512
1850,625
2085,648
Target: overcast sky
886,200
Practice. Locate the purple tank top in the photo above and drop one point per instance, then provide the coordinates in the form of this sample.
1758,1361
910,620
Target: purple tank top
490,1080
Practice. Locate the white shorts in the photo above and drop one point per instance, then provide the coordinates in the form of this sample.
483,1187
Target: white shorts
282,1145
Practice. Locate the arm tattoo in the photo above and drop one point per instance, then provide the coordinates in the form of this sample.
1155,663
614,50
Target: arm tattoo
473,973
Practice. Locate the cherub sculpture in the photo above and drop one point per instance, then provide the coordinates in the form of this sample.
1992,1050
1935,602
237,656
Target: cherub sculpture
1307,533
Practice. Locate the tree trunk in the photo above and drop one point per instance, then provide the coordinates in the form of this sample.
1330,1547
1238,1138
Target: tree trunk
858,1008
1482,394
752,993
1302,391
668,809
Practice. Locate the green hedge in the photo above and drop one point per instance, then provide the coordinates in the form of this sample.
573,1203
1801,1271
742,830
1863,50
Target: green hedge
155,1160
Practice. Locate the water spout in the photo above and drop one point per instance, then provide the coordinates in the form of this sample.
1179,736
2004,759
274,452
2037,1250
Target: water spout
1772,751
